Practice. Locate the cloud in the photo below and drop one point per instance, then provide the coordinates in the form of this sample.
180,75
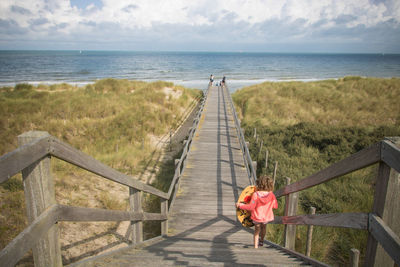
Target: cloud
222,23
20,10
130,8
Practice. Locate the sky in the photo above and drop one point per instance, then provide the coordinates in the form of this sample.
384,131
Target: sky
316,26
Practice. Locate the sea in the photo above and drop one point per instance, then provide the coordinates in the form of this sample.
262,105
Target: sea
190,69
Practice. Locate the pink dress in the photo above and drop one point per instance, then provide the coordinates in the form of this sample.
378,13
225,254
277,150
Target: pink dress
261,205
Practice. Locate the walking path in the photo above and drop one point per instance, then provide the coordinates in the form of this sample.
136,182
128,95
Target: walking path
203,230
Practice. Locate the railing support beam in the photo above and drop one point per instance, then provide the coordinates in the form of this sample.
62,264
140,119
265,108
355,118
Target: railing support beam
309,234
135,205
386,206
290,210
164,211
39,196
354,257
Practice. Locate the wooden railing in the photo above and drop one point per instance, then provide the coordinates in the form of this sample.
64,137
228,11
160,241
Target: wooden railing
33,157
249,164
383,223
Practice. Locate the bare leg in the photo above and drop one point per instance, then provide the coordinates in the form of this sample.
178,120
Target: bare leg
262,232
257,229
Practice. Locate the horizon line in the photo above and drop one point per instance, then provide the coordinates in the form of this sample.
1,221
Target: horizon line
202,51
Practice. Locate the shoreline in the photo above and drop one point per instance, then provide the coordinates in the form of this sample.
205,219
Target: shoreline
234,84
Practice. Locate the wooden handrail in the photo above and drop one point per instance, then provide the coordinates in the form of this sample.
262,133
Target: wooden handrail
361,159
22,157
75,157
245,150
388,156
179,169
42,147
345,220
18,160
81,214
23,242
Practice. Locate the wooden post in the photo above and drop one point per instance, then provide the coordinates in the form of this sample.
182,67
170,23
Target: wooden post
40,195
309,235
387,206
261,146
266,159
290,210
176,165
255,167
354,257
135,205
275,170
170,140
164,211
255,132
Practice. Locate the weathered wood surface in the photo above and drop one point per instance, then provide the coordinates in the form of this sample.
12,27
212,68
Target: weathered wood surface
39,196
17,160
386,203
386,237
345,220
203,229
135,205
67,153
21,244
291,203
309,234
391,154
355,162
80,214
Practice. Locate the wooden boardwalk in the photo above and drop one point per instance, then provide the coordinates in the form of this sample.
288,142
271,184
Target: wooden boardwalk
203,230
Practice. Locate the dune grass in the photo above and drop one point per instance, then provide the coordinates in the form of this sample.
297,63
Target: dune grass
114,121
344,102
309,126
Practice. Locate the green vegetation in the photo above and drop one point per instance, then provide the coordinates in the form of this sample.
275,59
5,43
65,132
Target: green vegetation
309,126
114,121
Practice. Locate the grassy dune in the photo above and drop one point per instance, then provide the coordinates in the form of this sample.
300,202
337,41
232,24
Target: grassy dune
118,122
308,126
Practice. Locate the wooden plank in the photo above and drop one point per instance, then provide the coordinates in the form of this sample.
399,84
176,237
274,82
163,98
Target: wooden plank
378,208
385,236
291,202
311,261
354,257
345,220
386,205
359,160
67,153
164,211
21,244
39,196
391,155
309,234
177,175
80,214
135,206
22,157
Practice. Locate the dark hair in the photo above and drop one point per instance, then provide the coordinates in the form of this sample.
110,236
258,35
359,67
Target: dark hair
265,183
